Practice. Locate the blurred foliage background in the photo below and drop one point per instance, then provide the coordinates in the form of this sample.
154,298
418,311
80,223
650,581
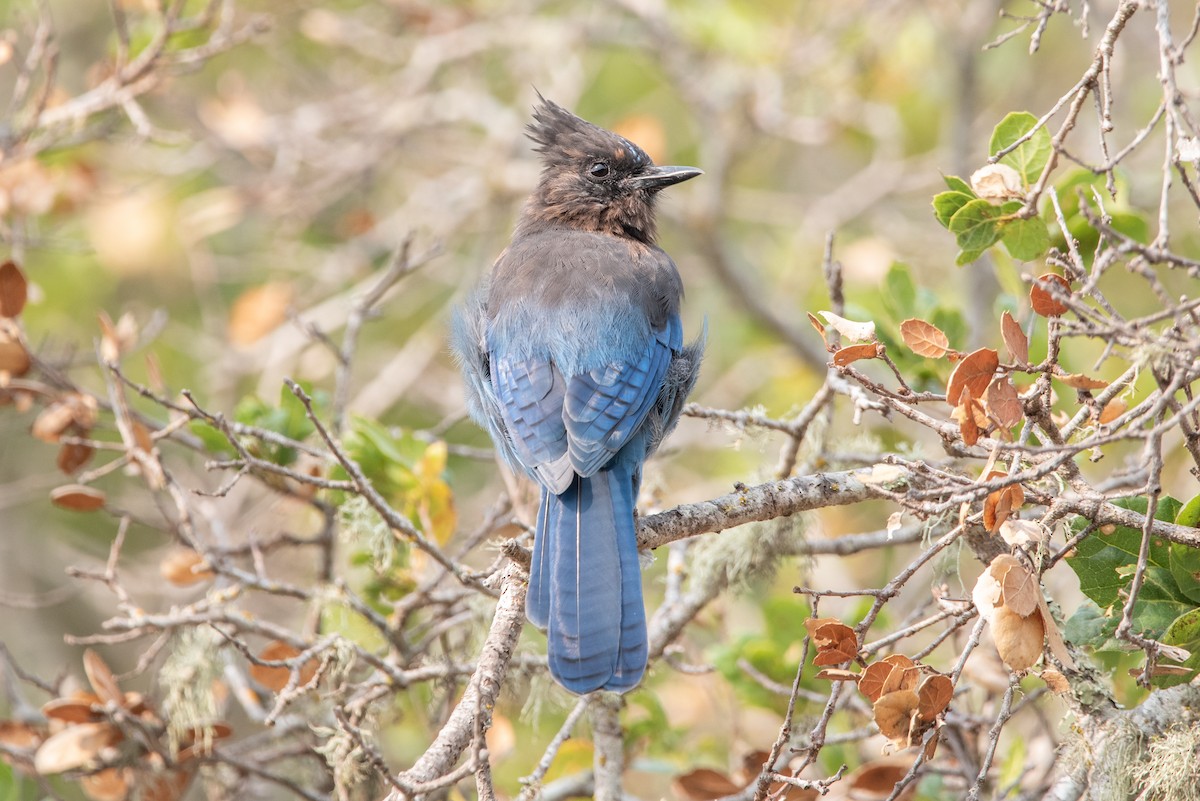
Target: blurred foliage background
251,193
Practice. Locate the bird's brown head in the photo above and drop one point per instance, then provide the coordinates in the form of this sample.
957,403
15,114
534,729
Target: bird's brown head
593,179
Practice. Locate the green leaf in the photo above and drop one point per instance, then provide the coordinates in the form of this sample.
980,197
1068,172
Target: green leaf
966,257
1030,157
213,440
1189,514
1184,631
1025,240
956,184
945,204
899,292
1105,564
1090,627
975,225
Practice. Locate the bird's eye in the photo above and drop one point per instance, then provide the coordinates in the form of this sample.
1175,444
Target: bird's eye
598,170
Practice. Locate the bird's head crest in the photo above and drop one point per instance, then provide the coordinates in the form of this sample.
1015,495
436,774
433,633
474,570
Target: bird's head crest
562,137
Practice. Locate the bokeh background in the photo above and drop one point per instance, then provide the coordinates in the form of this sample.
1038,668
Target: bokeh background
251,195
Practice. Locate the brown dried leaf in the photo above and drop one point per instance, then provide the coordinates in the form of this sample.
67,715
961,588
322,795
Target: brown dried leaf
101,677
1018,639
14,359
110,784
1020,590
871,682
14,289
276,678
820,328
898,660
168,786
841,644
971,418
53,422
925,339
20,736
1056,681
142,437
894,713
74,455
184,567
876,780
72,710
1001,503
1112,410
973,373
703,784
934,696
1042,295
1080,381
1014,339
836,674
814,624
77,498
1004,403
1054,637
258,311
74,747
853,353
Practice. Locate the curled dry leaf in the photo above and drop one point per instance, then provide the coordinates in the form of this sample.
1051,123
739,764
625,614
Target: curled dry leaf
258,311
14,289
703,784
184,567
1019,589
1056,681
851,330
853,353
74,455
20,736
77,498
877,780
1001,503
971,417
1014,339
276,678
973,373
1018,638
1080,381
1054,638
1003,402
837,674
895,714
924,339
1112,410
79,709
933,695
14,358
1045,293
110,784
836,643
74,747
101,677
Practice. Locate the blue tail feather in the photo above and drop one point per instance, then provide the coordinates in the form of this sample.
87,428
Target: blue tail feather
585,584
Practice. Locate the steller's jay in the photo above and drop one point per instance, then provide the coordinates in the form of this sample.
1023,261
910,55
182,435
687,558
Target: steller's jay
574,362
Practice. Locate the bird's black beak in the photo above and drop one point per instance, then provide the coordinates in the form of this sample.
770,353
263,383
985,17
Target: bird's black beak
659,177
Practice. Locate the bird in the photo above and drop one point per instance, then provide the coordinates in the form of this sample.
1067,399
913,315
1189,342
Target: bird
574,361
